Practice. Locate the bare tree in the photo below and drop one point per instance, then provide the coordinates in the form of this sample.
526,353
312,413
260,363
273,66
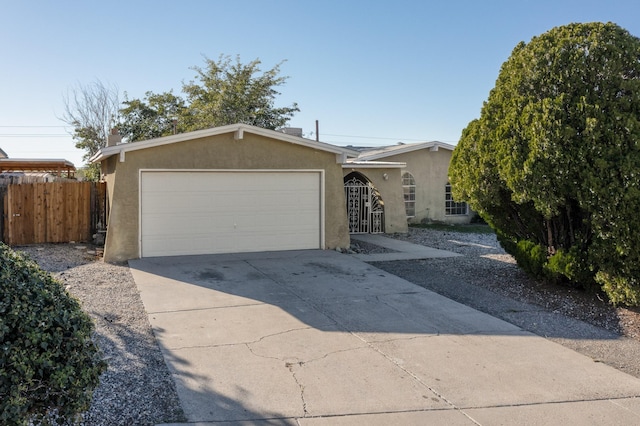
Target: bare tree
91,110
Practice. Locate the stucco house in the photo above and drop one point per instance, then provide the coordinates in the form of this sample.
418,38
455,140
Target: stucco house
235,188
424,177
241,188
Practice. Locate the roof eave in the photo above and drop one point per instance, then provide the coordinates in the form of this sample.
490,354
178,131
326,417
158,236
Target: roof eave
109,151
405,149
374,165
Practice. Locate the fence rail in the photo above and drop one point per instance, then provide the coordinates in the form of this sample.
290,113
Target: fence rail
52,212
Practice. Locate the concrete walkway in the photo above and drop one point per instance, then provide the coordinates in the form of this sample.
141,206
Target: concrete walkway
322,338
402,250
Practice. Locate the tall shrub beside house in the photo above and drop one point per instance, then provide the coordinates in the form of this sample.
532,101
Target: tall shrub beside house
553,162
49,365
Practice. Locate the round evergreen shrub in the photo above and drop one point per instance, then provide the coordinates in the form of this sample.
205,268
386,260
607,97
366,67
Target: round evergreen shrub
49,365
553,161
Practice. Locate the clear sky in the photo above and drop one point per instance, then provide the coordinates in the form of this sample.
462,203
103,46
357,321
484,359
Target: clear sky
372,72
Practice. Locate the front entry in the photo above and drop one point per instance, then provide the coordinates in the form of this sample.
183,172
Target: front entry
365,207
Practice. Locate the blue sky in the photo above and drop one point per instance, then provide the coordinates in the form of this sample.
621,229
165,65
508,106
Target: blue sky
372,72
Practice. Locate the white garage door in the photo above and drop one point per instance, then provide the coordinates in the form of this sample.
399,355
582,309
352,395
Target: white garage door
202,212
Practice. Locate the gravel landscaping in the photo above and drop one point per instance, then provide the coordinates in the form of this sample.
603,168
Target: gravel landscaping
138,389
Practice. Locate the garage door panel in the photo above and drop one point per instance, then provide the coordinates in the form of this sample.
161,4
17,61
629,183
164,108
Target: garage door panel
224,212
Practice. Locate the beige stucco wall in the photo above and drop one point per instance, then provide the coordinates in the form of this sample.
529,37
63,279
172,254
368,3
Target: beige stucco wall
430,170
390,189
215,152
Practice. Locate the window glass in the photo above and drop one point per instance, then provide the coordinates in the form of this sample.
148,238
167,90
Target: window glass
452,207
409,189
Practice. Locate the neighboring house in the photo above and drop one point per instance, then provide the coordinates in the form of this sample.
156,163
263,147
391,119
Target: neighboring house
424,180
24,170
235,188
54,166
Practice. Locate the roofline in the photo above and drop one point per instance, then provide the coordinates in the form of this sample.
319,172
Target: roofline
374,165
433,145
109,151
59,161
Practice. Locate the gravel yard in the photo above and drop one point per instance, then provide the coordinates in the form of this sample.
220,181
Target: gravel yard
138,389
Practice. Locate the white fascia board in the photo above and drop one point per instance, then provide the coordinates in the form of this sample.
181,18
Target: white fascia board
374,165
238,129
404,149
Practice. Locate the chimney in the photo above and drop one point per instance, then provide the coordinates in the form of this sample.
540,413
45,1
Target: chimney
114,138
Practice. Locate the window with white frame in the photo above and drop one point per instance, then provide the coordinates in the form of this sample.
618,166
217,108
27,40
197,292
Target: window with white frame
452,207
409,189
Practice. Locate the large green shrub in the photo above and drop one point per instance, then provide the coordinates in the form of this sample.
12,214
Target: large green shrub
48,362
553,162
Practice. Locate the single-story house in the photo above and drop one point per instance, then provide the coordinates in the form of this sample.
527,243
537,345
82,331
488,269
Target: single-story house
241,188
424,176
235,188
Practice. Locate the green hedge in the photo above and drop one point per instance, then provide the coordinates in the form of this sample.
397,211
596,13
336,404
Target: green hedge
49,365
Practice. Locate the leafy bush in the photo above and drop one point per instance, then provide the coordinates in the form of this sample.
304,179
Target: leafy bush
49,365
552,163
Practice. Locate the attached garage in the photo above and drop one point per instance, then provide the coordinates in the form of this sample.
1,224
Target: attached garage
229,189
196,212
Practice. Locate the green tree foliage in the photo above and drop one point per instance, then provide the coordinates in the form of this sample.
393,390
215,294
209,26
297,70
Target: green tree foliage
552,163
223,92
48,364
157,115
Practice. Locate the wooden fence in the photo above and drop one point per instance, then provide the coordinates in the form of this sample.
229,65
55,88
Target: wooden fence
52,212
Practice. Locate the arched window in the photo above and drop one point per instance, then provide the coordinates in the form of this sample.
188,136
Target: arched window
452,207
409,189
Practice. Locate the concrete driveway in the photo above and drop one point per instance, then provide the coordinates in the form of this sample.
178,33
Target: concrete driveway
322,338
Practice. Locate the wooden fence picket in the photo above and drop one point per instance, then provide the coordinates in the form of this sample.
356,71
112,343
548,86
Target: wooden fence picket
52,212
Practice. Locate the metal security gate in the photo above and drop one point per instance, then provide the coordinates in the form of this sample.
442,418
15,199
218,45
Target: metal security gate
365,208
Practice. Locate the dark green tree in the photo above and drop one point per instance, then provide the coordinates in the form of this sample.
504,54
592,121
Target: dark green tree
223,92
227,92
155,116
553,161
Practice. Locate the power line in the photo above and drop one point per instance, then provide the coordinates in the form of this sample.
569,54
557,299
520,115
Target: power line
38,135
22,127
382,138
372,137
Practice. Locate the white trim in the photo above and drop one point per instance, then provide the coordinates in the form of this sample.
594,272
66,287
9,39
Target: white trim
321,173
402,149
374,165
238,129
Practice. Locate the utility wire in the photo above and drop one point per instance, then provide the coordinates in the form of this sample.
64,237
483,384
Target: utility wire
371,137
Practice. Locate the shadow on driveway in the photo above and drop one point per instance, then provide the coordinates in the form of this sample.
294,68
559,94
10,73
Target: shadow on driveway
280,337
